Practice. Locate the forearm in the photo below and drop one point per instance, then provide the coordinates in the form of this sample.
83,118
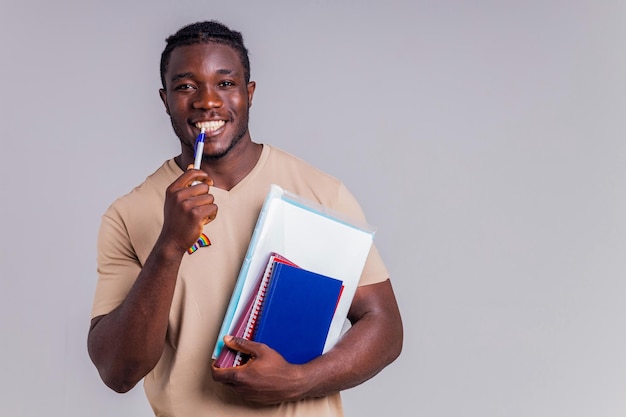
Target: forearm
128,342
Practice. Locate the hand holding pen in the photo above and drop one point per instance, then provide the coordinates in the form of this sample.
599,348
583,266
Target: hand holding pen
203,240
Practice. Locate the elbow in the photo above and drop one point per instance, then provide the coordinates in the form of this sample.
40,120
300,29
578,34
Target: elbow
397,327
397,348
119,385
394,347
121,378
395,338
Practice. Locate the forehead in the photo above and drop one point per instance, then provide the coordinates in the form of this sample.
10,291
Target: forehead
207,57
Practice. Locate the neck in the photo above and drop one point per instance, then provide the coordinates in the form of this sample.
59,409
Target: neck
227,171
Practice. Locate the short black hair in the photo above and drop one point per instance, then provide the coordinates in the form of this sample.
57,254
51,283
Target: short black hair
204,32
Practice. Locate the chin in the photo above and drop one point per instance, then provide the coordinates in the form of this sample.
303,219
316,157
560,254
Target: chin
217,153
220,151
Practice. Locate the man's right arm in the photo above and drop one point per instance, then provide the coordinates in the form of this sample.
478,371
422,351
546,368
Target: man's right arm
127,343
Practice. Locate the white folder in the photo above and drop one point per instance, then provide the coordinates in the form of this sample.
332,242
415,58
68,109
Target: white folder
312,237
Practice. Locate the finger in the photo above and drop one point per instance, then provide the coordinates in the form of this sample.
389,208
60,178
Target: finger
209,181
189,177
244,346
199,187
200,178
202,208
212,214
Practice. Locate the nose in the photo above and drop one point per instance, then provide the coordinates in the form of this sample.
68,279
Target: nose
207,98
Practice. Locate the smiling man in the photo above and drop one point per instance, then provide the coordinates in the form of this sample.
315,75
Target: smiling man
157,308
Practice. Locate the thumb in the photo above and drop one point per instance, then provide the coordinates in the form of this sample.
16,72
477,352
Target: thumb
242,345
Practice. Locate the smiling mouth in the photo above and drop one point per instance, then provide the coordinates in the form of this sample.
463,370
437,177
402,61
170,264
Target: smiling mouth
211,126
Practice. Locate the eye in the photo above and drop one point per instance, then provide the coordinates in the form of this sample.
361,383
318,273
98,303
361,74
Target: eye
226,83
184,87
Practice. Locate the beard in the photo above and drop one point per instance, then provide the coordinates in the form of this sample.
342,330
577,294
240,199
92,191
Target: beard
242,129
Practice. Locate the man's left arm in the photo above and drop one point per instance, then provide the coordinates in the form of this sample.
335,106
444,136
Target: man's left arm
372,343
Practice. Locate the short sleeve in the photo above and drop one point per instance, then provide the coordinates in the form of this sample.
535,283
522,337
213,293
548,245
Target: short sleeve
118,265
374,270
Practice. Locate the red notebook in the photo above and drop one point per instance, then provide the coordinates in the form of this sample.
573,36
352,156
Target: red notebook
245,325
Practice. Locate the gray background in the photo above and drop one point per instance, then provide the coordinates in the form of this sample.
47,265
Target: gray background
484,139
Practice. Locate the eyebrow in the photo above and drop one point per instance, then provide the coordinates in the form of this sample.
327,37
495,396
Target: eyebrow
176,77
180,76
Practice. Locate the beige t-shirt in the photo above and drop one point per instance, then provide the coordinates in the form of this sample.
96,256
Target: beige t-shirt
181,383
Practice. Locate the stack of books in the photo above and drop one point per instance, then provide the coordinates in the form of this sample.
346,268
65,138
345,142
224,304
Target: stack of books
291,312
297,281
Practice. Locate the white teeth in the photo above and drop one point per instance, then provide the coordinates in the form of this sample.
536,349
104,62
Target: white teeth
210,126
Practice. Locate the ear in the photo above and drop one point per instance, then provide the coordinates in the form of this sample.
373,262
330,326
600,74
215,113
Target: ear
163,95
251,87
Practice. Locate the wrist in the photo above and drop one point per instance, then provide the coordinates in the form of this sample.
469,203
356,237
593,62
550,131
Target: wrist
168,250
308,376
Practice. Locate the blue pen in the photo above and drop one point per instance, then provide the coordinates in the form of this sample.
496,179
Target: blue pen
199,149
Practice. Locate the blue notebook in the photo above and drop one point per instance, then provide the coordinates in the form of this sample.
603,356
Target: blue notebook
297,311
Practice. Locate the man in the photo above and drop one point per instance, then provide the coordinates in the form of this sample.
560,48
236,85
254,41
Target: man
158,309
